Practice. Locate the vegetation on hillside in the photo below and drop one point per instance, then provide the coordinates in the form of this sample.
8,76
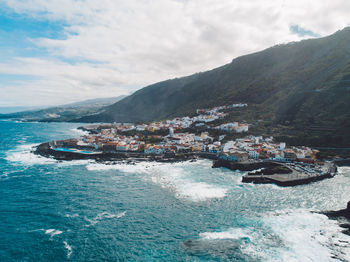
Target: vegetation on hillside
298,92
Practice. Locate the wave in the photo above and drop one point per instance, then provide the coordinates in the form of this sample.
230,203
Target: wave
69,249
232,233
189,180
24,155
196,191
101,216
344,170
53,232
290,235
308,236
139,167
71,215
79,132
185,179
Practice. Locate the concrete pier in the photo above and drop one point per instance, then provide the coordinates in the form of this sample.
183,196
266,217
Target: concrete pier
297,176
282,174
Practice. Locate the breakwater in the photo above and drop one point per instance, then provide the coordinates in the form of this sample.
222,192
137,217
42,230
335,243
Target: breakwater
245,166
281,174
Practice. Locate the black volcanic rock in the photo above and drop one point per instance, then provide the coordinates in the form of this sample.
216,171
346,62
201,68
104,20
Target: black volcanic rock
341,215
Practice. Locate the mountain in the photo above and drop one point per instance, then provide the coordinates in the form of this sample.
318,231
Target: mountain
299,92
66,112
14,109
95,102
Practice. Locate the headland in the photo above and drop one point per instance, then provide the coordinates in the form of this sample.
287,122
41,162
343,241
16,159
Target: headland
205,135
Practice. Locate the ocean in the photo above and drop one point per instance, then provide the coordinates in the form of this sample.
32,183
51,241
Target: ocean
87,211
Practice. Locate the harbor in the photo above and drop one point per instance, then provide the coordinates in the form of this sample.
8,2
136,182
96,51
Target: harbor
298,175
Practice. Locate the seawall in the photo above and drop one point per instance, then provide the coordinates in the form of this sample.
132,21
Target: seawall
275,173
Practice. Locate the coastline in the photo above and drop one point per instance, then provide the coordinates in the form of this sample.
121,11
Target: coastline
342,216
261,172
45,150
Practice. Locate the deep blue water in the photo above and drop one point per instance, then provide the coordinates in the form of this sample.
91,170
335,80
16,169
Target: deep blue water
87,211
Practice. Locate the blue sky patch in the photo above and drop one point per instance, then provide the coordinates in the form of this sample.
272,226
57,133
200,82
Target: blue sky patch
296,29
17,32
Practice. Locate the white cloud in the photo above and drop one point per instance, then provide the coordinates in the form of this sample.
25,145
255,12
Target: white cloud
137,42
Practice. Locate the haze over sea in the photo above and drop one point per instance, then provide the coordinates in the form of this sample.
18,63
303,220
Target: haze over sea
88,211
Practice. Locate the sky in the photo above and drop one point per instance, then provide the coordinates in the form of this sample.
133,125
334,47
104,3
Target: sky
61,51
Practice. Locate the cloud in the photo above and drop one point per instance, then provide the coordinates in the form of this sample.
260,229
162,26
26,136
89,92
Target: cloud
114,47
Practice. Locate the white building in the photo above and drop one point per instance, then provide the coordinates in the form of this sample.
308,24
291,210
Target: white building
282,146
254,154
228,146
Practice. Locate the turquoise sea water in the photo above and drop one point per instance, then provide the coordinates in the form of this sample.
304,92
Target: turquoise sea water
88,211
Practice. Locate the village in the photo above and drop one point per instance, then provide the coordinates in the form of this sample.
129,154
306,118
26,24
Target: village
186,135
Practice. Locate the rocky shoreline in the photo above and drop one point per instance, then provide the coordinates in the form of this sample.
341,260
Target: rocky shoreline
343,216
45,150
262,172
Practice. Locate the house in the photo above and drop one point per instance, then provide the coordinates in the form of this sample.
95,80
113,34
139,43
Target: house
253,154
195,148
228,145
213,148
289,155
157,150
241,128
201,111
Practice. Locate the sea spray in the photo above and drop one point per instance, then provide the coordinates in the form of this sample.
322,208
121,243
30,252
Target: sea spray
164,219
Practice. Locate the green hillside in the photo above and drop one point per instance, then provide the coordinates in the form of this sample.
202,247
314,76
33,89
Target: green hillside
298,91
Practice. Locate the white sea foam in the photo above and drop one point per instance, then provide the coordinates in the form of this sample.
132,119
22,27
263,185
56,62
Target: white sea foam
180,178
80,132
139,167
199,191
292,235
344,170
69,249
232,233
24,155
103,215
177,177
53,232
103,167
71,215
308,236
